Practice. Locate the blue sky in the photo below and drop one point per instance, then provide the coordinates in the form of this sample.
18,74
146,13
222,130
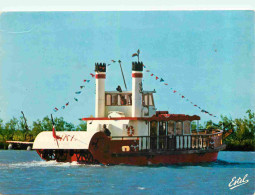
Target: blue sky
208,56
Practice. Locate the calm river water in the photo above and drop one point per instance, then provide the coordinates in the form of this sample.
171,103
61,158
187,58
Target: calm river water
23,172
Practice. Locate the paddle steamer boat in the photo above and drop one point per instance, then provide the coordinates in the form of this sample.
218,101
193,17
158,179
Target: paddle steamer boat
140,135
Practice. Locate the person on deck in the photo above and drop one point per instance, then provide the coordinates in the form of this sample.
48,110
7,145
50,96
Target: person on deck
106,131
123,100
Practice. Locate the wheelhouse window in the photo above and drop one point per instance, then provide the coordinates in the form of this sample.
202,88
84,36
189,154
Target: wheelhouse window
114,100
118,99
108,99
148,100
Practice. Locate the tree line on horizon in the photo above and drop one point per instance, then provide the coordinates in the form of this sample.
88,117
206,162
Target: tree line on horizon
242,138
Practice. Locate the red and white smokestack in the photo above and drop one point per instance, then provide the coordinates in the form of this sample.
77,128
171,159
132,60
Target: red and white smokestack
100,70
137,75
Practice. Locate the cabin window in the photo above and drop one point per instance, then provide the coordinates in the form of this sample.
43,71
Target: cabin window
114,99
108,99
186,127
179,128
145,99
170,130
129,99
148,100
118,99
153,134
123,100
151,102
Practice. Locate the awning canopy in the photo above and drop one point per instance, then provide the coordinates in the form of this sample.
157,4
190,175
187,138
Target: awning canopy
160,117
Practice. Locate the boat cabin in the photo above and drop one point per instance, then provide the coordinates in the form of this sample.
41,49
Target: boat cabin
132,114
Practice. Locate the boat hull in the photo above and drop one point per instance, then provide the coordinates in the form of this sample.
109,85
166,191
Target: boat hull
85,157
103,150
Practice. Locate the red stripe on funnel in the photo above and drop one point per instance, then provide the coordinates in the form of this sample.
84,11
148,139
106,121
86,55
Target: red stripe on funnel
100,76
137,75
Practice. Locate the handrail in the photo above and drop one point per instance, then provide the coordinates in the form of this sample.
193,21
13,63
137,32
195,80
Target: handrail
172,142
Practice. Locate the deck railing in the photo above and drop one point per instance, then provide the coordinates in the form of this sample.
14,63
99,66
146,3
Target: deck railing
196,141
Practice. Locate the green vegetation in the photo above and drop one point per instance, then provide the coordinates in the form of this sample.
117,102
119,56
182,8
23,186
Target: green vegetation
242,138
15,129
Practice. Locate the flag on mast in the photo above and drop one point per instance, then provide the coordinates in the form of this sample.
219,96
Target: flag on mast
54,130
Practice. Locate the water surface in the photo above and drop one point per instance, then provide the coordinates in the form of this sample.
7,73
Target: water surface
23,172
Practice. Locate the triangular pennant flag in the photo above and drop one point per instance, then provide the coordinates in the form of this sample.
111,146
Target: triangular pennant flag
82,86
67,103
113,61
76,99
175,91
183,97
165,84
157,78
78,92
161,80
84,80
92,74
195,105
152,74
88,81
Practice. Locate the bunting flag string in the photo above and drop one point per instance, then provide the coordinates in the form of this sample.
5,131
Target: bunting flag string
181,95
79,92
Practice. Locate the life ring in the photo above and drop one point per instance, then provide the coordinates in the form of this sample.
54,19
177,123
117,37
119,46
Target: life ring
130,131
134,148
